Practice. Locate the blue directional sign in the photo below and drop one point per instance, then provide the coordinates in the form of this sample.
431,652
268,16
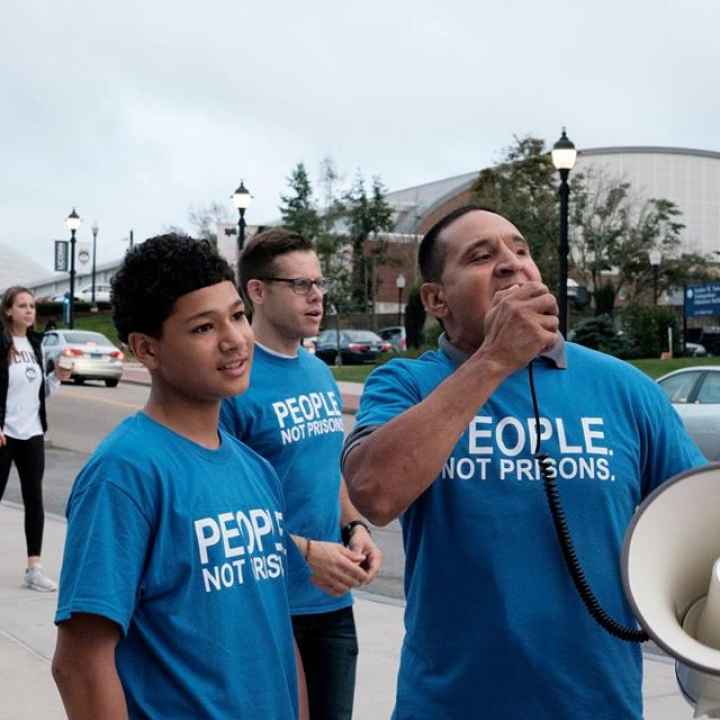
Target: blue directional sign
702,300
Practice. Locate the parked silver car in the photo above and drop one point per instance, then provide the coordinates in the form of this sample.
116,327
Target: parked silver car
695,394
94,356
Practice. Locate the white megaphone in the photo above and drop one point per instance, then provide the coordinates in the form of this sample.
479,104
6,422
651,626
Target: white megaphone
671,576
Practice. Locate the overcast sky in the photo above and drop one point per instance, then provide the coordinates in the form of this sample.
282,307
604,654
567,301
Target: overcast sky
135,112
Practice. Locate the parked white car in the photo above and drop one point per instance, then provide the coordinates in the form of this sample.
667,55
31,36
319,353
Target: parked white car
695,394
102,293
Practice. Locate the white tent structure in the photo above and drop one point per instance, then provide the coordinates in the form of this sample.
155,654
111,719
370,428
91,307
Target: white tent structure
17,269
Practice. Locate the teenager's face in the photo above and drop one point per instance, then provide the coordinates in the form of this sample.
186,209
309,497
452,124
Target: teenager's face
485,253
206,348
293,316
22,313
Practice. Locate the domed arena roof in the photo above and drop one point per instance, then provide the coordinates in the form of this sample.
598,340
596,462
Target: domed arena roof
17,269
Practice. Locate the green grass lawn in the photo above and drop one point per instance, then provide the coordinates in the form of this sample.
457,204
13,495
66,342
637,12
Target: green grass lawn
653,368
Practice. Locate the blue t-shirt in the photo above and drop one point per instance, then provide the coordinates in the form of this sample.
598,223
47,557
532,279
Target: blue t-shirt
292,415
494,625
185,549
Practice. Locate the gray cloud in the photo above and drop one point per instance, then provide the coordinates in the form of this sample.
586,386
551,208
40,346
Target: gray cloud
135,112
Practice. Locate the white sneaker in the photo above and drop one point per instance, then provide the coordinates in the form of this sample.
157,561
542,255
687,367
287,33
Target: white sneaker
36,580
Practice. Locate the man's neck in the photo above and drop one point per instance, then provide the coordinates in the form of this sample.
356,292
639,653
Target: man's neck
268,336
195,420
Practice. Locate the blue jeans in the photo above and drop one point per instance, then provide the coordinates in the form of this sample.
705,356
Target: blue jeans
328,647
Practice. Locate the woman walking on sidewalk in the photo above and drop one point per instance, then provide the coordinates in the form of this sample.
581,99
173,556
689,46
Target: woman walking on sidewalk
23,422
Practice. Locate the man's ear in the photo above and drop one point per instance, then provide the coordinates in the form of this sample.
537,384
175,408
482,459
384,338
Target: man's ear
433,298
144,348
255,290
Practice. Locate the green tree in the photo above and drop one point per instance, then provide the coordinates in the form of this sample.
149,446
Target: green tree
340,227
647,329
331,241
366,215
598,221
298,209
615,231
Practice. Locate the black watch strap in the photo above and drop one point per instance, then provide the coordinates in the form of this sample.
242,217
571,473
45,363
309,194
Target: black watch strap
347,530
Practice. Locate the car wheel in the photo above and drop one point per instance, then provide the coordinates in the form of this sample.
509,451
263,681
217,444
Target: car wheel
49,367
111,383
79,380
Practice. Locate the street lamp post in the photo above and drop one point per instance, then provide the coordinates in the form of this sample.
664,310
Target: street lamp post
241,199
563,157
400,285
94,234
72,223
655,257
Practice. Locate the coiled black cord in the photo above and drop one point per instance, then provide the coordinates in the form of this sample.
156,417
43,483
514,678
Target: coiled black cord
568,549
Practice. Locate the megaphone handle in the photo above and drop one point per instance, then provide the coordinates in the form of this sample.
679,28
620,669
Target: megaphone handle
566,544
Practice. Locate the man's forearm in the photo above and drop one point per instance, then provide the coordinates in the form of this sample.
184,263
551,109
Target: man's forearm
397,462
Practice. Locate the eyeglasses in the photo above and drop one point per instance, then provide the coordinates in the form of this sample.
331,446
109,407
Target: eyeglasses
302,286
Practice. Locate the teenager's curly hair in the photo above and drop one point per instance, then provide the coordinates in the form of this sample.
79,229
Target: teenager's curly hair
155,274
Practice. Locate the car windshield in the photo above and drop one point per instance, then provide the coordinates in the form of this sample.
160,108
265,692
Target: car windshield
361,336
83,338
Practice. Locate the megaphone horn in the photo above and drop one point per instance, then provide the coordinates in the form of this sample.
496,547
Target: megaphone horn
671,577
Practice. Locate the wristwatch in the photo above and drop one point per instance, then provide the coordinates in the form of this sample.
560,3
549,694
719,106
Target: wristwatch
347,530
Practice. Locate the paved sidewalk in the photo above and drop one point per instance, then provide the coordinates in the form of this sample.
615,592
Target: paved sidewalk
135,374
27,640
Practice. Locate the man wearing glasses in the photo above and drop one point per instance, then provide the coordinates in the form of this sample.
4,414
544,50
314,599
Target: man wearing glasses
292,416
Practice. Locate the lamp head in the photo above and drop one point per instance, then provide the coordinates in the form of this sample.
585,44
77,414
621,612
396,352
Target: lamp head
72,221
564,153
241,197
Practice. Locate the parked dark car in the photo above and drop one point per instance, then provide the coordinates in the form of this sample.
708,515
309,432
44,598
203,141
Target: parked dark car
356,346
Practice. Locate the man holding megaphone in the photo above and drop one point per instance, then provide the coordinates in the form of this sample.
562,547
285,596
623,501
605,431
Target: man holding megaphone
448,443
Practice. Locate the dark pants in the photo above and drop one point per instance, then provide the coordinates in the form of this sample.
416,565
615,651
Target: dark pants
328,647
29,459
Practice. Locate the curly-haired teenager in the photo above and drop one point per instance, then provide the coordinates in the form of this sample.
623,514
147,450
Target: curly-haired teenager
173,599
23,420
